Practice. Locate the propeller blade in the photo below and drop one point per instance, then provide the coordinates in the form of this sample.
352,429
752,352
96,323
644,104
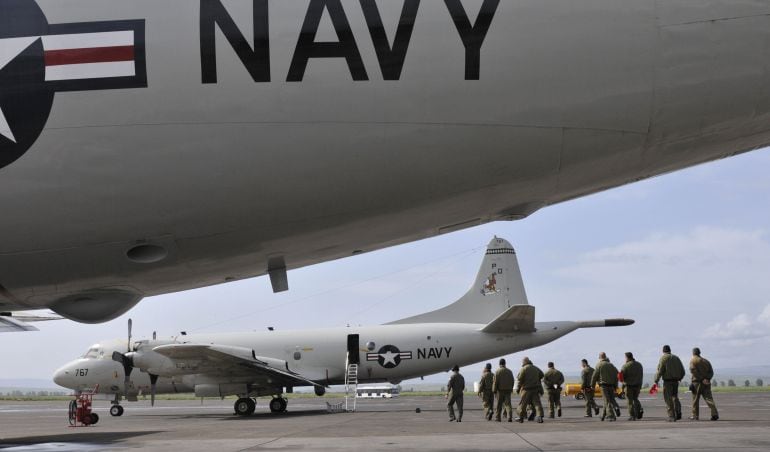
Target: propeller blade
128,366
117,356
153,385
130,326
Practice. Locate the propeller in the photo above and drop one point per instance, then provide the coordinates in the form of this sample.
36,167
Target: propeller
125,360
130,326
153,383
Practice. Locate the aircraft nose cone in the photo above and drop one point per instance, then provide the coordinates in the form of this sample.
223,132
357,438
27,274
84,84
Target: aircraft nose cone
62,377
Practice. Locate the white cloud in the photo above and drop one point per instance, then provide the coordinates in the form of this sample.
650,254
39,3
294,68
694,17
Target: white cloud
705,287
764,317
707,266
742,328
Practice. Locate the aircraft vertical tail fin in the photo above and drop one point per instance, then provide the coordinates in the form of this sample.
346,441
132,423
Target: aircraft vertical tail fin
498,286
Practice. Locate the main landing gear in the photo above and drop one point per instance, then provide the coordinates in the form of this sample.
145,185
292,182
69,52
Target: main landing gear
245,406
116,410
278,404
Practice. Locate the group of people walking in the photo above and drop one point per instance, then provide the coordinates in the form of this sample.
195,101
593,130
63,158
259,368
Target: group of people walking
496,389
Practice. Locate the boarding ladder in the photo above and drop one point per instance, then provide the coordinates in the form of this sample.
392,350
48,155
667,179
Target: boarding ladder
351,385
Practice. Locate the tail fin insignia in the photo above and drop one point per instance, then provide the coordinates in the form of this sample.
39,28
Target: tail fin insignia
491,285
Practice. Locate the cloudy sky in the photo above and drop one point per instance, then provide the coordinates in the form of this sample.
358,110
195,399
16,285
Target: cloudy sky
687,255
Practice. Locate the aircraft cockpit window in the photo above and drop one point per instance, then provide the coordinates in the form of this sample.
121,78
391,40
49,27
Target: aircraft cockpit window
92,353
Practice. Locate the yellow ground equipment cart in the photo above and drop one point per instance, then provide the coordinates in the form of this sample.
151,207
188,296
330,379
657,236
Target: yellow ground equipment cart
573,390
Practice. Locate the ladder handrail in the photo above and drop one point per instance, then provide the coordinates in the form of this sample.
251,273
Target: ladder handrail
351,383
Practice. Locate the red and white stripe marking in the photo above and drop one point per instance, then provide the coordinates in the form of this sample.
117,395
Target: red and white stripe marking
89,55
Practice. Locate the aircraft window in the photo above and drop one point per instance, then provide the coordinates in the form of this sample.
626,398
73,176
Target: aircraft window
297,355
370,346
91,353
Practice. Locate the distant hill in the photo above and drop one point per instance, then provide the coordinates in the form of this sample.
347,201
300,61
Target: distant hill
748,372
28,383
8,385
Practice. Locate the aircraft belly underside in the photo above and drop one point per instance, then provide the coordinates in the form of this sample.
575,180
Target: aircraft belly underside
199,166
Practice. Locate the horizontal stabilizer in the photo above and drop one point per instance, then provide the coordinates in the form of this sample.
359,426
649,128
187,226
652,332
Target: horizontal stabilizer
19,321
11,325
518,318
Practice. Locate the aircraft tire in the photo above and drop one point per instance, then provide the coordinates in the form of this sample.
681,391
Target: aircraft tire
94,418
284,404
245,406
276,405
73,408
116,410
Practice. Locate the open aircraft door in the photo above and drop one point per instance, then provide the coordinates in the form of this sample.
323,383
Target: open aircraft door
353,350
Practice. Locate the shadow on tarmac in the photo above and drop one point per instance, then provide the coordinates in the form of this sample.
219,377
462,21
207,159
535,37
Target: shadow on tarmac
85,438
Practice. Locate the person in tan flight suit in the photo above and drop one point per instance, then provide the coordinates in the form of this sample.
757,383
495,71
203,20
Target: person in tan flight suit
702,373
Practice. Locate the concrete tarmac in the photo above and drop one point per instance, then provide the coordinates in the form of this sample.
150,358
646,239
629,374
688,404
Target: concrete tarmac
381,425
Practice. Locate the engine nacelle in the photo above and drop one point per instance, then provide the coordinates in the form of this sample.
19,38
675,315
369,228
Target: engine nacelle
154,363
96,306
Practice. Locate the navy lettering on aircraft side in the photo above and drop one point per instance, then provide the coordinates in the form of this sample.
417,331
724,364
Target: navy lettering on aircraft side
434,353
256,57
37,60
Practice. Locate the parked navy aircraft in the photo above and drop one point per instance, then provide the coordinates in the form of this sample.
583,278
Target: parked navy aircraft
492,319
152,147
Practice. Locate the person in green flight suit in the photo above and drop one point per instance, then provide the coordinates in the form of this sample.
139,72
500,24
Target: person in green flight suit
671,370
486,382
502,386
606,375
633,374
552,381
529,386
588,389
455,388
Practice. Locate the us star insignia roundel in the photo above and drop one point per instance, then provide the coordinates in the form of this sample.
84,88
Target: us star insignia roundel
389,356
38,59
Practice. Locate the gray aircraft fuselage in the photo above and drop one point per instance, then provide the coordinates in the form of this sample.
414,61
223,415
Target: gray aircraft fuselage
203,141
319,355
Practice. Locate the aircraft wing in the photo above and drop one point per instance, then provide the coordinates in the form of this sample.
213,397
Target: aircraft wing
238,360
11,322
